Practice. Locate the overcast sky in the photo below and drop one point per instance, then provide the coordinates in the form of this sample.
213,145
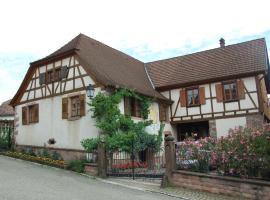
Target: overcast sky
148,30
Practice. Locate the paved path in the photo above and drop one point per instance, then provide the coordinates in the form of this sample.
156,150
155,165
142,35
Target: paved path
27,181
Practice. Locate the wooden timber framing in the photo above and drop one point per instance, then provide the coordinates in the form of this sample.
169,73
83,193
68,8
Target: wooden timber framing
225,113
34,91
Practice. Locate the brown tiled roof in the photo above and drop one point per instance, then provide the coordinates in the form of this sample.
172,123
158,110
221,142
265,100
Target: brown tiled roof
109,66
6,109
232,60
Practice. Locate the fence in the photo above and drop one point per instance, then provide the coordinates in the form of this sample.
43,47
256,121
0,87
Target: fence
6,134
146,163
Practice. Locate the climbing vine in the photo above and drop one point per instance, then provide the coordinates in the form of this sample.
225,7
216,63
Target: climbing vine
119,130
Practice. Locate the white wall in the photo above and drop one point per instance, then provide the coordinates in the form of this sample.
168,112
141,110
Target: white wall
6,118
224,125
67,134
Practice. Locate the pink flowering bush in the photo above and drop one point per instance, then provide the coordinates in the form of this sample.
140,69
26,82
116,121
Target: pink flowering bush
195,155
245,152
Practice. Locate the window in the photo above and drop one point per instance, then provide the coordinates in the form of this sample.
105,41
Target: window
73,107
30,114
53,75
193,97
163,113
230,91
132,107
49,77
57,74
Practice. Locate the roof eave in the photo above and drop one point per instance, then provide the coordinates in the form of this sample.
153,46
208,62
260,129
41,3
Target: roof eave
200,82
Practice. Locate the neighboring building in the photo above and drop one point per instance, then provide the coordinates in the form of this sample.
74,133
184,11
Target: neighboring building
6,111
206,92
215,90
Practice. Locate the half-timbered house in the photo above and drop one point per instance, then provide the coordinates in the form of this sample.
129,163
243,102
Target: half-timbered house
206,93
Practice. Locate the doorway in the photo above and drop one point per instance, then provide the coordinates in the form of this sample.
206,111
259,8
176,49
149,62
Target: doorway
196,129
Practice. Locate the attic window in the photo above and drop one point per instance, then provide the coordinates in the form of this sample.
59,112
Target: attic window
53,75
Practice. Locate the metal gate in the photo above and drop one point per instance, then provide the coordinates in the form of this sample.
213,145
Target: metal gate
146,163
6,134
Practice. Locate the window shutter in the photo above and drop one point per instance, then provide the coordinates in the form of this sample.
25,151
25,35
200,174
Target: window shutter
64,72
219,92
64,108
137,109
82,104
25,115
127,105
183,98
42,78
162,113
202,95
36,113
241,89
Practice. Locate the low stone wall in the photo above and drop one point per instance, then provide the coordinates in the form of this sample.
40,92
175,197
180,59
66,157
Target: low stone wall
91,169
66,154
236,187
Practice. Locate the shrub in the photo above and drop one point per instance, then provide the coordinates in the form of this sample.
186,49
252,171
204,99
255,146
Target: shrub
76,165
56,156
195,155
245,152
45,153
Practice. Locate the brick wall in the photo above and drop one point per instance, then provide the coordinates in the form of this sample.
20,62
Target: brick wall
236,187
91,169
66,154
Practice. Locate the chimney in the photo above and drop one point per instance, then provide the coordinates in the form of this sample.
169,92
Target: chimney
222,42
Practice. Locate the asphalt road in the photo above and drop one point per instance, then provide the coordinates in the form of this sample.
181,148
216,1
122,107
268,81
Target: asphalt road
20,180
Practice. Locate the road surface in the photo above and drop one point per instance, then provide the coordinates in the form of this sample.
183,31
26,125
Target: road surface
27,181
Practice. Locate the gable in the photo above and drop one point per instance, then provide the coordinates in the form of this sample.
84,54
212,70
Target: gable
53,83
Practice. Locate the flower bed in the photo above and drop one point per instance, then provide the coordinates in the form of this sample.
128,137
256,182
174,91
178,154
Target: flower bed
244,152
129,165
37,159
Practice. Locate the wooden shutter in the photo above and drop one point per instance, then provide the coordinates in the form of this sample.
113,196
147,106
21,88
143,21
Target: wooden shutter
137,108
64,108
25,115
64,72
202,95
183,98
219,92
241,89
127,105
36,113
162,112
42,78
82,104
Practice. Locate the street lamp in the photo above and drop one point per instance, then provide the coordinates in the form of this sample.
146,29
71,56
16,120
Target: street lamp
90,91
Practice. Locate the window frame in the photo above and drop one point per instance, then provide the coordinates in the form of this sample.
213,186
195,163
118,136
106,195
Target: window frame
133,109
224,83
53,75
77,108
192,89
31,117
